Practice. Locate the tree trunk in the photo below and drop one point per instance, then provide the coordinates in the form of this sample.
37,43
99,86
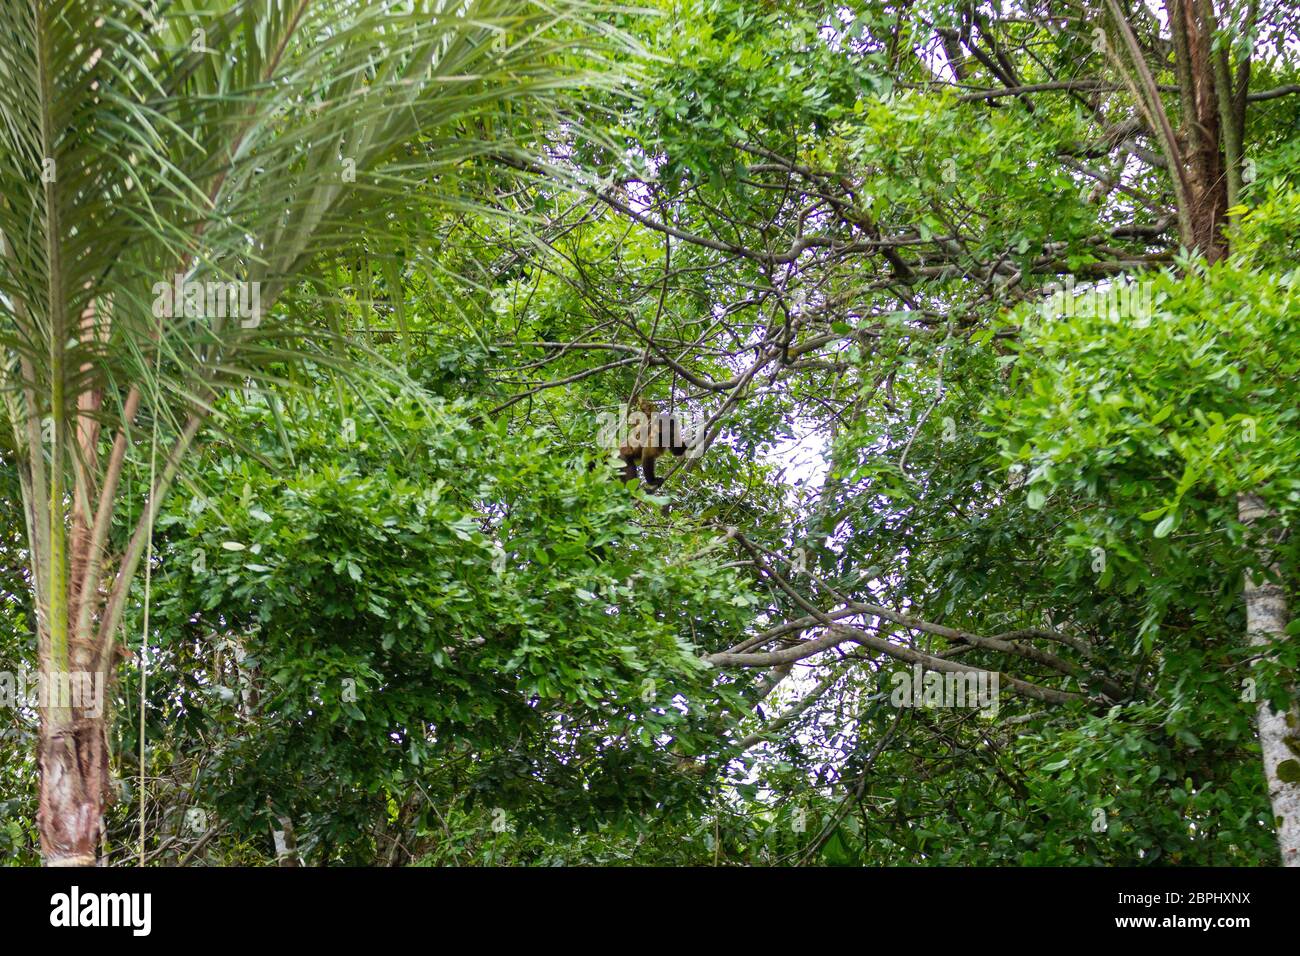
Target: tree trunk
73,758
1205,162
1279,733
286,843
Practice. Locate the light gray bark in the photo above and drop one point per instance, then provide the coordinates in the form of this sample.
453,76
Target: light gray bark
286,843
1279,733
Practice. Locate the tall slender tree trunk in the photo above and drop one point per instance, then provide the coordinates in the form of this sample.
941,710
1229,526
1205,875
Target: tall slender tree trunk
73,751
72,743
1279,732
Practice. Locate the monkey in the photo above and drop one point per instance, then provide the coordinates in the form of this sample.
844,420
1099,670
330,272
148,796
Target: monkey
649,432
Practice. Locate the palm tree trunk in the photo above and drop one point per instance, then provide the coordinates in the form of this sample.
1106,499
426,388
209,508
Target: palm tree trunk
73,758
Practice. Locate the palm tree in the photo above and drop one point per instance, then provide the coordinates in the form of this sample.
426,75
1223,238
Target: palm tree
175,178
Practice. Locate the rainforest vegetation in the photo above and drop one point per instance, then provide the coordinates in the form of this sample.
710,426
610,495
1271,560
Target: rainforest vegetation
980,322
